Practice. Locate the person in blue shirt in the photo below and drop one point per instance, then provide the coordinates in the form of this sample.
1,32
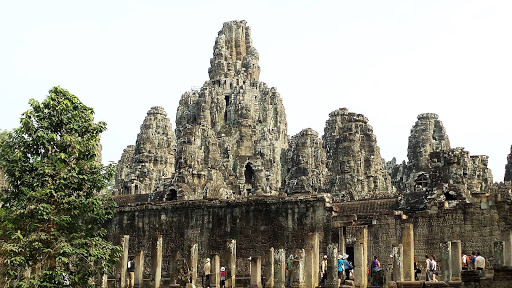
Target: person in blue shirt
347,266
340,269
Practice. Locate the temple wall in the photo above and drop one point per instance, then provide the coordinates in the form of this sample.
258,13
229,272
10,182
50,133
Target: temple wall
255,224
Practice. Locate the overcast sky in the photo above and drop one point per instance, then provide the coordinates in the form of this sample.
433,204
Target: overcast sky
388,60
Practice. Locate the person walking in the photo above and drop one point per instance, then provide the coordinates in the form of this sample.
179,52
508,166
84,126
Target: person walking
207,272
480,264
222,277
416,270
289,271
473,258
465,262
323,270
131,272
428,276
433,268
375,268
347,267
340,269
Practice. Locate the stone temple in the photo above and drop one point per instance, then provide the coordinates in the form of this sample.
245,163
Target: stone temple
229,184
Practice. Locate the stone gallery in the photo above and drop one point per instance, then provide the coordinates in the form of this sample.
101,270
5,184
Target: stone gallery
230,185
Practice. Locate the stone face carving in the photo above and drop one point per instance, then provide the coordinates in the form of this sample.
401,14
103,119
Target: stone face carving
151,160
306,159
434,171
231,133
427,135
353,158
231,141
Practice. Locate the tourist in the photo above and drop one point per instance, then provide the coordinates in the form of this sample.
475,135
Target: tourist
428,276
347,267
289,270
340,269
375,267
222,277
131,272
323,270
480,264
465,261
417,270
433,268
207,272
473,258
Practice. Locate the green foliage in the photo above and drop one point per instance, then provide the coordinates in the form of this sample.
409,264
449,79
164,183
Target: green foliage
55,204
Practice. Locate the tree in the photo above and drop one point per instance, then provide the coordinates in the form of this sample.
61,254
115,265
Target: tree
55,203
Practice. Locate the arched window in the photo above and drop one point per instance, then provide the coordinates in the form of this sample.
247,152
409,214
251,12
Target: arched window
172,195
249,177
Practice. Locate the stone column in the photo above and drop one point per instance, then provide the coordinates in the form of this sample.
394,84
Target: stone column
139,268
123,262
408,250
255,272
342,247
215,270
104,281
173,273
230,263
298,269
499,254
314,244
268,272
192,262
361,257
332,266
456,263
308,268
398,263
506,236
446,261
156,257
279,268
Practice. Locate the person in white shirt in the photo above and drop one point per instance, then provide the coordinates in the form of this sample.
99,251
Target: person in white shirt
480,263
207,272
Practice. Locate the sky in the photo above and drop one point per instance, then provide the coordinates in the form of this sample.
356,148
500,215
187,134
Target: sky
389,60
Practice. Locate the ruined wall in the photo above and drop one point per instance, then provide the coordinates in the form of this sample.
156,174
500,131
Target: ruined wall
284,222
256,225
353,158
232,132
151,160
508,167
456,175
434,170
305,162
478,225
